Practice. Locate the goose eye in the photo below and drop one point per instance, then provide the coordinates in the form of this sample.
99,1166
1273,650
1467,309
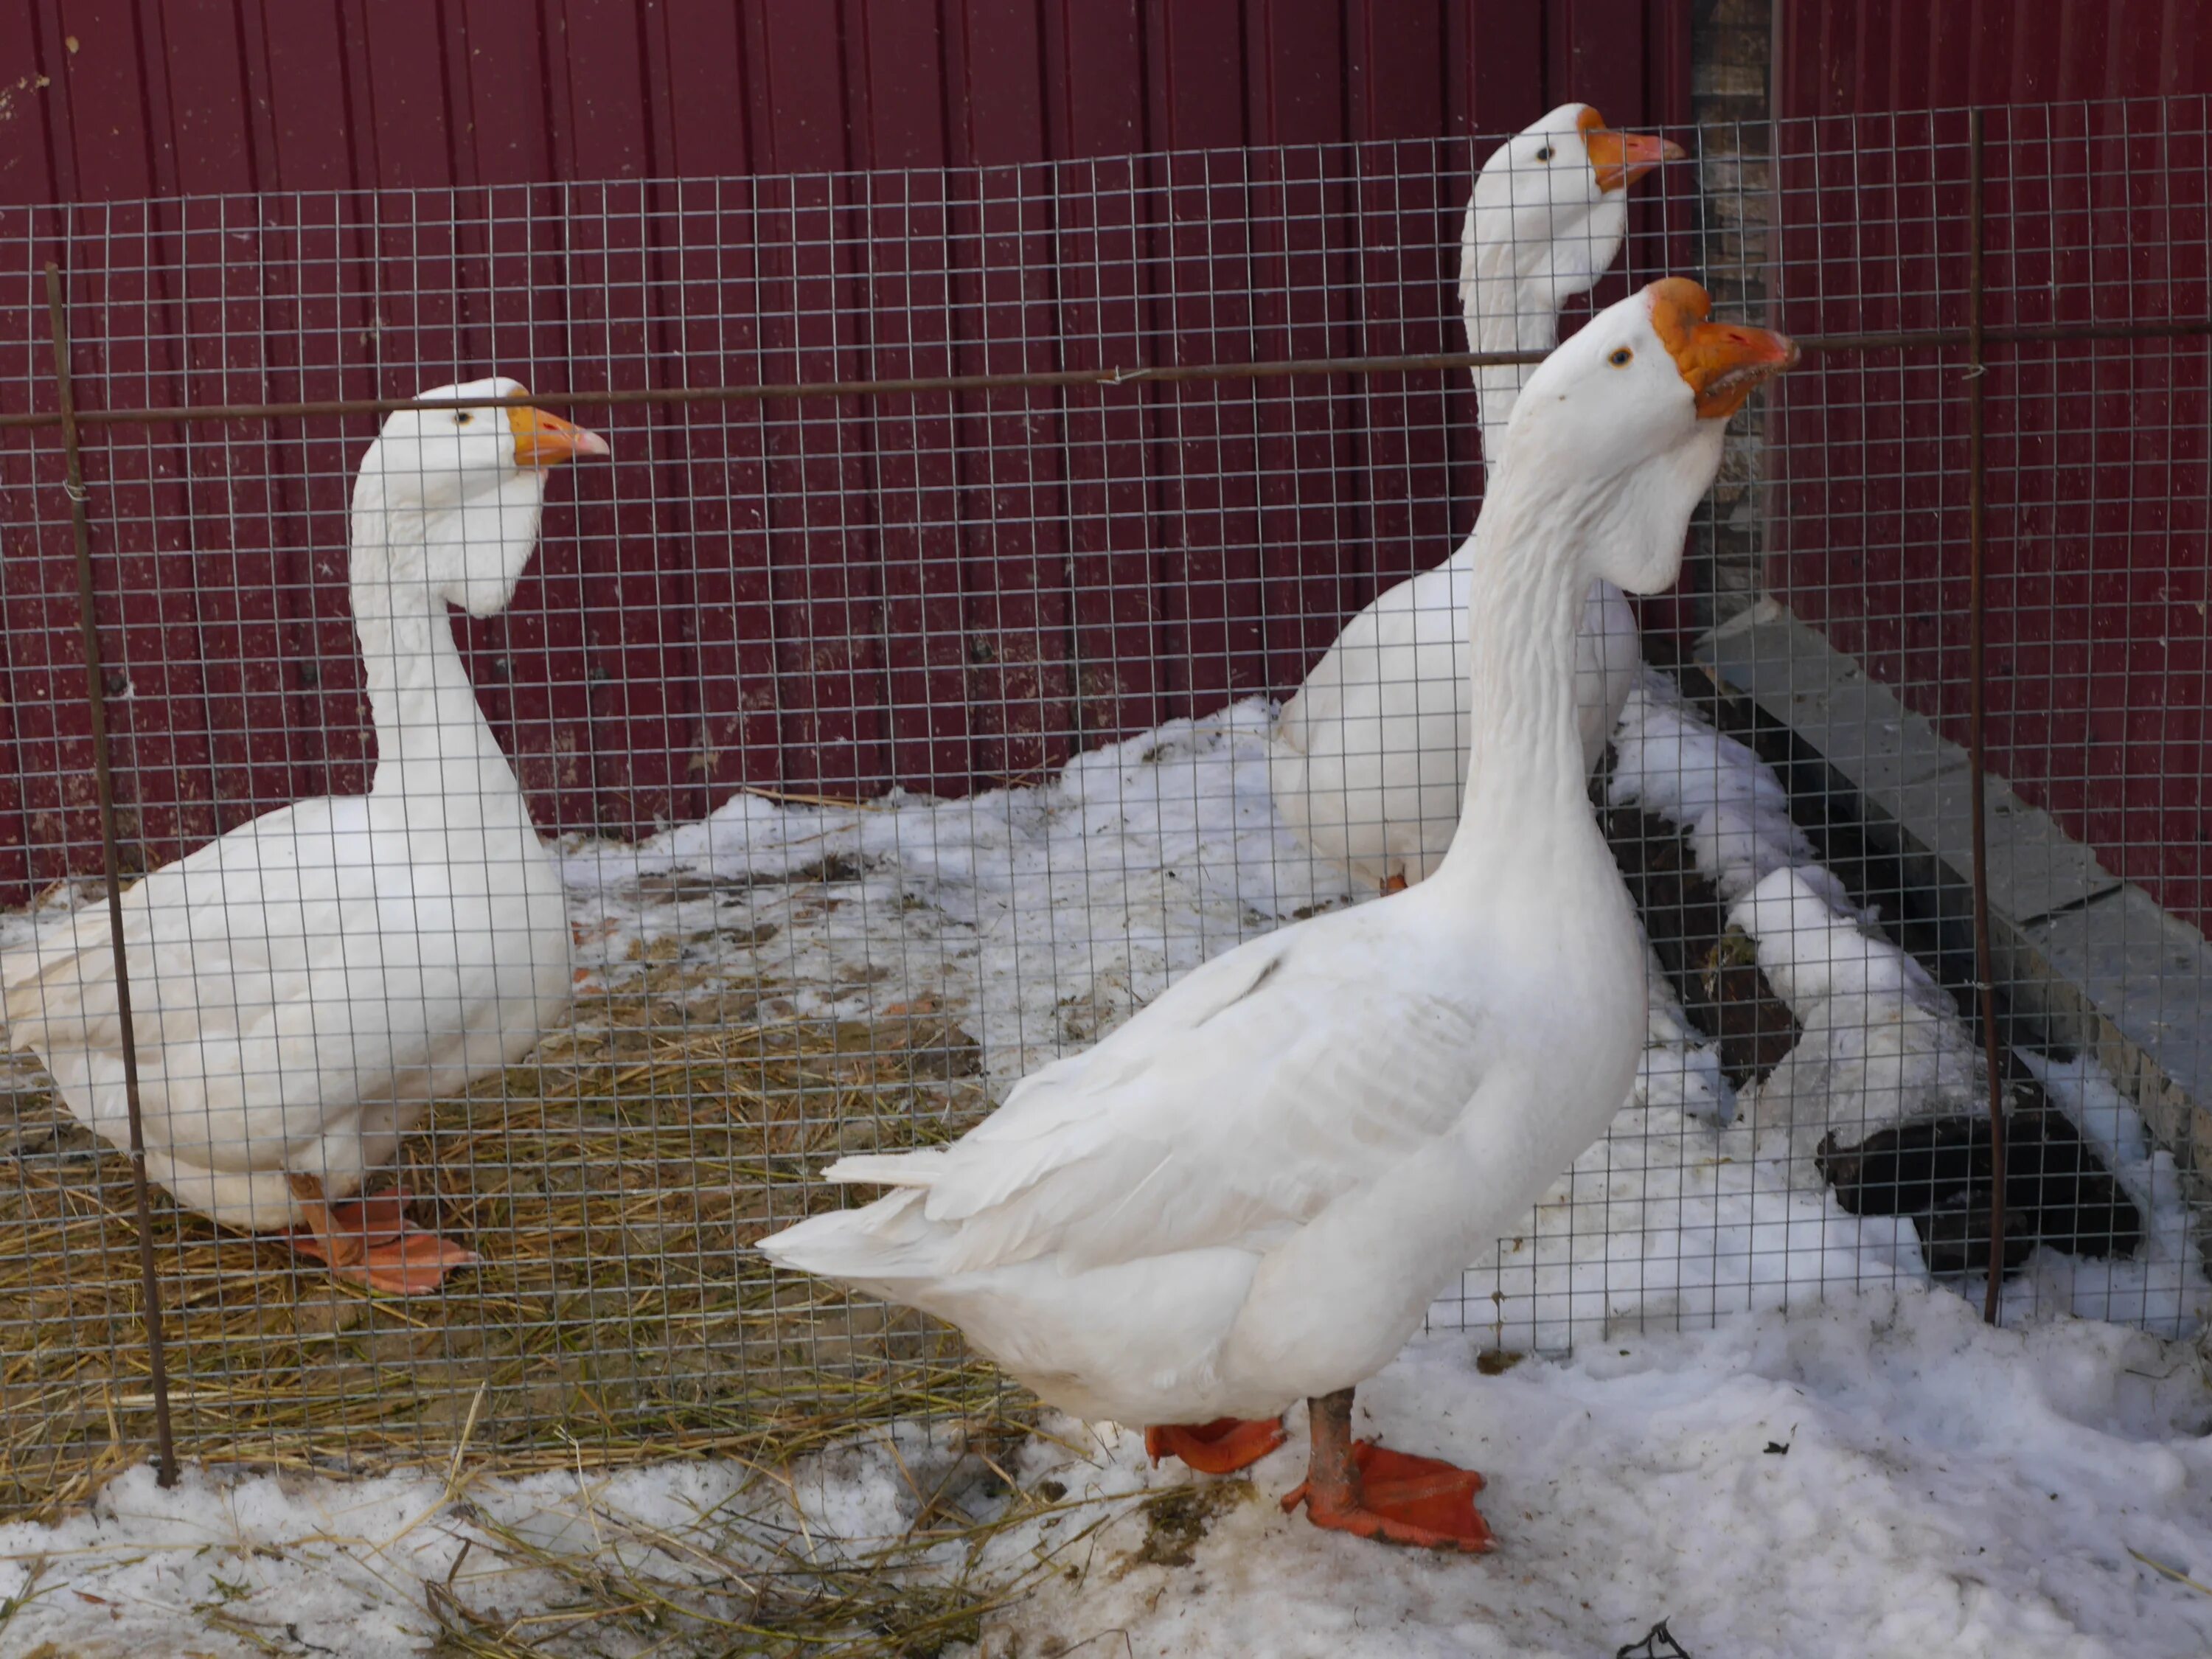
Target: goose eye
1545,154
463,419
1621,357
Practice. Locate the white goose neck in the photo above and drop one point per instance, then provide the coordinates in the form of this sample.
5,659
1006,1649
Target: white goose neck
432,743
1503,311
1512,290
1525,782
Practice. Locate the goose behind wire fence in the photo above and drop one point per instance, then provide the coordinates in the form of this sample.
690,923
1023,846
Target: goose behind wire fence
890,741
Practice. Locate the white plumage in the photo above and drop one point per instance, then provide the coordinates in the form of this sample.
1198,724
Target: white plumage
1370,754
1252,1190
304,986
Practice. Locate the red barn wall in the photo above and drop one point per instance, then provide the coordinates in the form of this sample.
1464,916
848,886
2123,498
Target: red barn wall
2098,480
364,197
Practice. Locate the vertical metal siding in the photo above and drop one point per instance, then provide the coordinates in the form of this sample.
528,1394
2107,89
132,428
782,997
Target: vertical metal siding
2098,546
1837,58
700,617
122,99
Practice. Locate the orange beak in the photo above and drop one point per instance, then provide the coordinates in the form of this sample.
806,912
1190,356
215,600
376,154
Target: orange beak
1723,363
1619,159
542,441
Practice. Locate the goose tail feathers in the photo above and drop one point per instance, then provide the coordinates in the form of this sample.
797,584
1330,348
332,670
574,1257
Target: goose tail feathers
865,1248
890,1239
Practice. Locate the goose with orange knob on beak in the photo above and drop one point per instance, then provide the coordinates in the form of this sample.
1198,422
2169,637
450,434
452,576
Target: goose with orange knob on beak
302,987
1252,1191
1367,760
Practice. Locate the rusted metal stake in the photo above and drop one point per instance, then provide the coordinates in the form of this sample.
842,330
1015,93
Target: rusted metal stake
1977,701
95,695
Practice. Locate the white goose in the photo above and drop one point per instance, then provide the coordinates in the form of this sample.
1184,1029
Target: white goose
303,987
1370,754
1252,1190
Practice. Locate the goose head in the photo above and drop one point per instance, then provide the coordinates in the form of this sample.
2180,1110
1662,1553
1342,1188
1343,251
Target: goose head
1550,205
1622,425
450,499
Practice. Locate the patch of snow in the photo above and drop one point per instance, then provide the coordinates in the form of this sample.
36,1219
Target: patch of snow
1039,917
1724,798
1945,1487
1881,1475
1677,1216
2162,1286
18,926
1046,914
1880,1041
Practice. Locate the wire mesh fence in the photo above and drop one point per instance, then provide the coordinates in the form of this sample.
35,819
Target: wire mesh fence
891,739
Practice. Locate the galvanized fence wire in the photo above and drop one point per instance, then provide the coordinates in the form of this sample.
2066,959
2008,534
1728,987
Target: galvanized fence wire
896,702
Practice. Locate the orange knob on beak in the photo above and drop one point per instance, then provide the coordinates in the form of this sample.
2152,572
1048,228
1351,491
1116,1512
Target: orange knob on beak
542,441
1723,363
1619,159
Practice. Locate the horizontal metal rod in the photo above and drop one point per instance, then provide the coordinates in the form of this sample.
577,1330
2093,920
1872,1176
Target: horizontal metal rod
2180,328
1910,339
795,389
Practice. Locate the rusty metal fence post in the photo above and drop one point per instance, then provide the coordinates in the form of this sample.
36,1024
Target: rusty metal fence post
95,693
1977,701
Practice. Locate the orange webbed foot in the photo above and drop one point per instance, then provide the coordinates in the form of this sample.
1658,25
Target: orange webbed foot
1221,1447
1356,1486
1400,1499
372,1220
411,1262
370,1242
414,1264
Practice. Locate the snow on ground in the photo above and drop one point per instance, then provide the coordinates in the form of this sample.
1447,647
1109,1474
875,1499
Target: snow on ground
1880,1475
1046,914
1880,1041
1945,1488
294,1564
1040,916
2162,1287
1723,797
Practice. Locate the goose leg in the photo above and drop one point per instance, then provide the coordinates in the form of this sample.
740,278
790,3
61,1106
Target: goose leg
1355,1486
1221,1447
370,1242
1395,882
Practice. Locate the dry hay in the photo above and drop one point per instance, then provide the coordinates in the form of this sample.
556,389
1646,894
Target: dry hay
768,1584
611,1185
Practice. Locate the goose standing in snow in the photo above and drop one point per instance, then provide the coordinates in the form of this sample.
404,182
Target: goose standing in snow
303,987
1369,756
1252,1190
